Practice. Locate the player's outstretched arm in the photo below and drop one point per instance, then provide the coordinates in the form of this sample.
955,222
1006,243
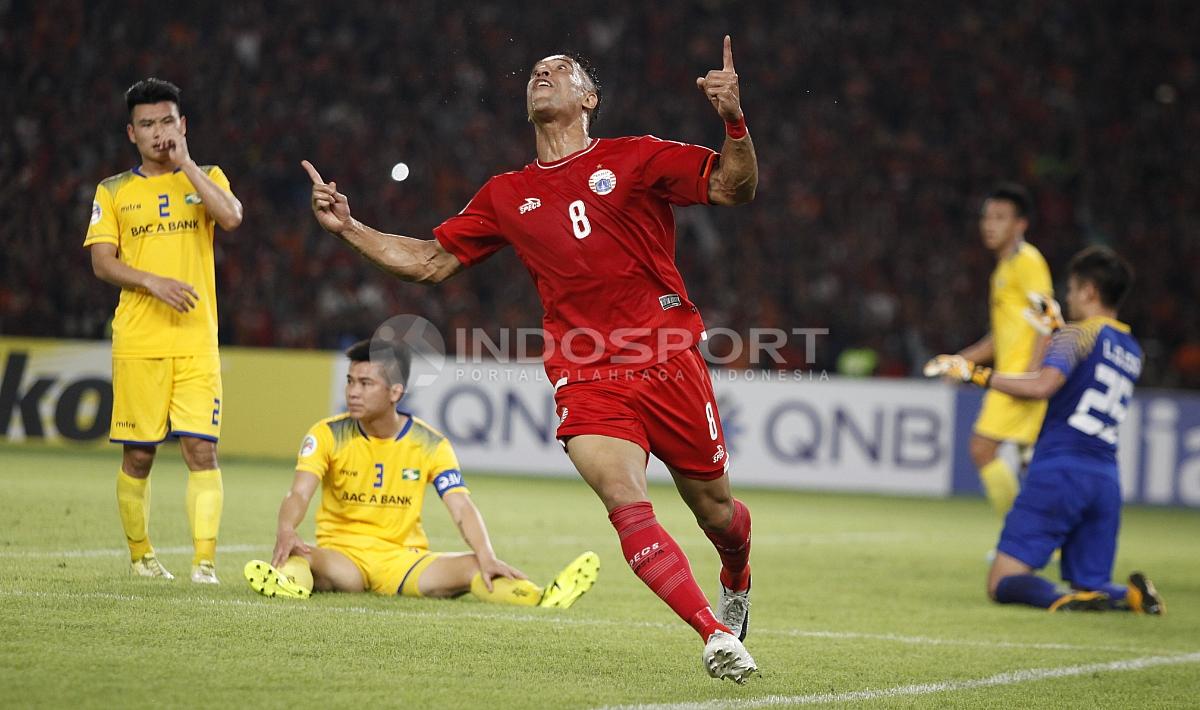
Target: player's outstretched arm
291,513
107,267
470,525
735,179
1041,384
1035,385
416,260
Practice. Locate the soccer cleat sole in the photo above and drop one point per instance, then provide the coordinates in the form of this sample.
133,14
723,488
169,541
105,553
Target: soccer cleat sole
267,581
731,662
572,583
1148,600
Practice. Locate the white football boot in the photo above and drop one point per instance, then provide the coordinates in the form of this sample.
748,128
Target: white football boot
726,657
149,566
733,610
205,573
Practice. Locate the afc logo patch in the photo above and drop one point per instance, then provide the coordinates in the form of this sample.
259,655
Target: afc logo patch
309,446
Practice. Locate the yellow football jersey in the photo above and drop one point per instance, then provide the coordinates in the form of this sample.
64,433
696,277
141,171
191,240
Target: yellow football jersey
373,489
160,225
1015,276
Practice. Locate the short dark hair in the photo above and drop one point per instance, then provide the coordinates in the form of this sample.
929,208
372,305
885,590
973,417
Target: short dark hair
1015,194
1106,270
152,91
395,359
589,70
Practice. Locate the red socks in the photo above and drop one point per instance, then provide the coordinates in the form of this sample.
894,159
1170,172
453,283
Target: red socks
733,545
657,560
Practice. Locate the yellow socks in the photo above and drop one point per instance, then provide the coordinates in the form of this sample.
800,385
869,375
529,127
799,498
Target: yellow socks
133,501
1000,485
205,497
298,570
520,592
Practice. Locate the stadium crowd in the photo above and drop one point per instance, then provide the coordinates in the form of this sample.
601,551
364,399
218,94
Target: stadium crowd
878,129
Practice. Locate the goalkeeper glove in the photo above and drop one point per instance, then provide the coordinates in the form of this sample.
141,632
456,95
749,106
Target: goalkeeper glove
958,368
1044,313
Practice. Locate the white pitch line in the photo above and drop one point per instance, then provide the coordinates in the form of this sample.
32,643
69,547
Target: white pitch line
290,606
856,696
116,552
557,620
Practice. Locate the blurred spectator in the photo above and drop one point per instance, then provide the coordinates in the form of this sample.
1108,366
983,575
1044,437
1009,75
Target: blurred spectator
877,127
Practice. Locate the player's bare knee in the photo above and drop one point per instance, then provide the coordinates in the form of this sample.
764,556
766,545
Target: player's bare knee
198,454
982,450
137,460
615,493
713,514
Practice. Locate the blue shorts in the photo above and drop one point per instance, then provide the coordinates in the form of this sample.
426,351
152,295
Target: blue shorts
1068,505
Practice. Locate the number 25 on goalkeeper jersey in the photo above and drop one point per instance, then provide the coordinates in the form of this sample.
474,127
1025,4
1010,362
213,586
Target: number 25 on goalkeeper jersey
1101,361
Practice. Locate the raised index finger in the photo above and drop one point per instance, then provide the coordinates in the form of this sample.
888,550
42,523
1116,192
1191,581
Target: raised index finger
312,173
728,54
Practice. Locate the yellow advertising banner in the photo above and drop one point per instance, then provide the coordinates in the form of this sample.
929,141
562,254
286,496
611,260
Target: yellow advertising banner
59,393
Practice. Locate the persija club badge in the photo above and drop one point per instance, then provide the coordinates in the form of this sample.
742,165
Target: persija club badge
603,182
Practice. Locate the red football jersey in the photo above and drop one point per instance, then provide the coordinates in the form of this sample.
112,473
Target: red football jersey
596,231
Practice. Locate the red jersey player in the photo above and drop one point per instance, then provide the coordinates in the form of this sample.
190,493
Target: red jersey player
591,219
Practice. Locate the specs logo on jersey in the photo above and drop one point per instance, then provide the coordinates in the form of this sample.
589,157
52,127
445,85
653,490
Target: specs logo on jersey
603,182
192,198
669,301
410,474
530,204
720,453
95,212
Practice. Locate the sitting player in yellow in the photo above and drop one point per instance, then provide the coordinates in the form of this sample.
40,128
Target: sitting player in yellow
374,464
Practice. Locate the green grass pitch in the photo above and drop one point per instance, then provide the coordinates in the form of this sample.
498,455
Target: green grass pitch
858,601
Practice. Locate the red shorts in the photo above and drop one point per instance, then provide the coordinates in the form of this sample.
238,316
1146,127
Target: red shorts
668,409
